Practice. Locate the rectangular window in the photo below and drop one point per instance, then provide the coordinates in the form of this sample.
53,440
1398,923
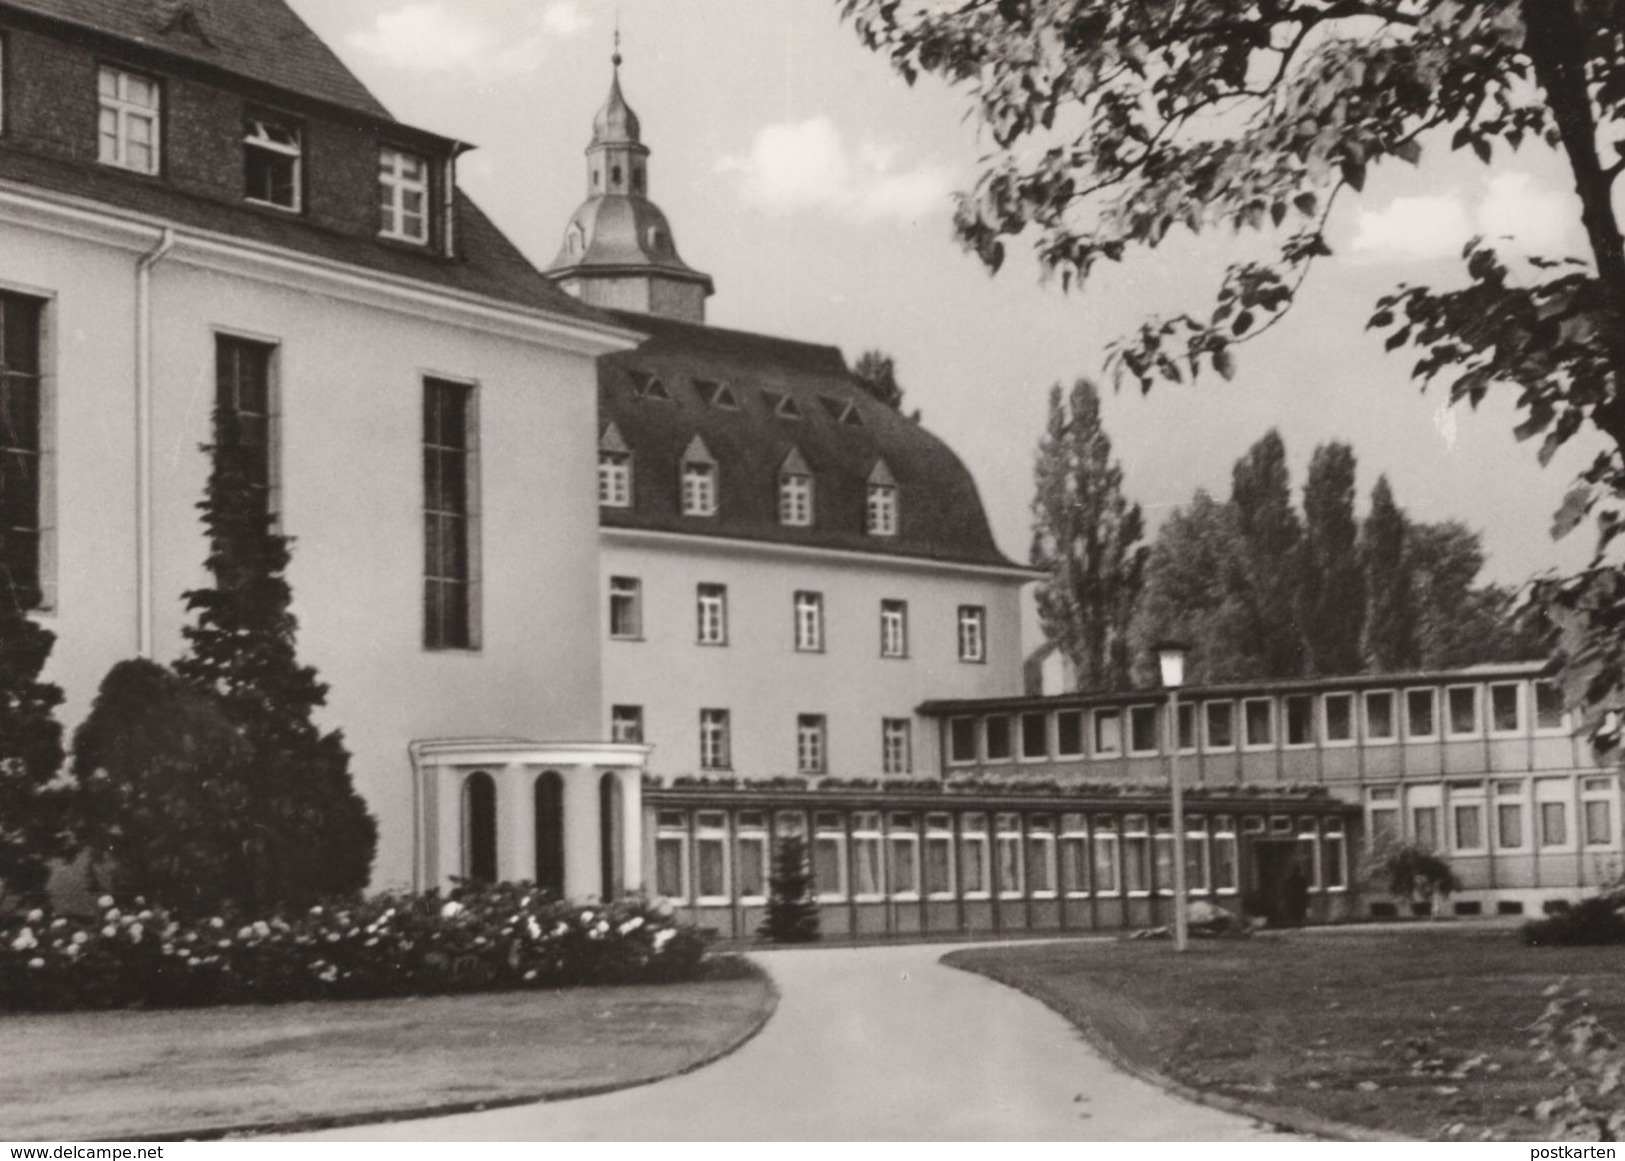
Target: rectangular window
671,855
973,855
795,500
1041,856
829,856
626,608
962,740
1335,861
243,399
1338,709
1300,720
1196,860
273,155
403,196
903,855
896,747
1548,705
894,628
1309,852
1226,855
450,445
129,121
1069,733
626,723
1599,828
1221,727
1469,821
1509,825
1187,727
972,633
615,479
1384,815
1012,879
811,744
1162,854
1421,720
939,856
711,856
809,622
1143,735
1108,733
1554,824
1105,863
868,882
1425,827
882,510
1379,717
1075,855
751,844
714,740
699,489
1136,854
1504,709
23,456
1035,736
996,738
1258,718
712,610
1462,703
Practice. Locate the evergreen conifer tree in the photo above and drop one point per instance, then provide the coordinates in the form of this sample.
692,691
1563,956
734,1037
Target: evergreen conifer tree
792,905
312,835
32,811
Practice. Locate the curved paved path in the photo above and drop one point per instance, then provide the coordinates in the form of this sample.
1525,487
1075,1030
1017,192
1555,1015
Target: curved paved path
881,1043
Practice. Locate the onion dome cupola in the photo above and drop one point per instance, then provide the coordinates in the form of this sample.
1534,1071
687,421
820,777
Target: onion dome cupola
618,249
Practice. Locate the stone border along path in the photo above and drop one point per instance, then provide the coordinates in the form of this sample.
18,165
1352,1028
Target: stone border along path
875,1043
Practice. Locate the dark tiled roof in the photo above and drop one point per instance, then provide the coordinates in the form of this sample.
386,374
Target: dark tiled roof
260,39
488,263
941,513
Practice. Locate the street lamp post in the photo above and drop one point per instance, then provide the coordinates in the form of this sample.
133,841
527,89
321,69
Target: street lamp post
1171,664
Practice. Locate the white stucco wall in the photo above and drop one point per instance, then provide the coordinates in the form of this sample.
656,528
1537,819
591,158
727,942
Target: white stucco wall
762,680
349,377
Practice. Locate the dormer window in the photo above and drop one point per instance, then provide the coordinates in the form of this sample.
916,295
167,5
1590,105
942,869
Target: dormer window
403,192
614,470
128,120
718,395
273,153
880,512
841,410
795,492
699,480
782,404
646,386
576,240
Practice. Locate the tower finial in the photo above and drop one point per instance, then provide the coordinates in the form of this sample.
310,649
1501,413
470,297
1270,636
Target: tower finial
616,59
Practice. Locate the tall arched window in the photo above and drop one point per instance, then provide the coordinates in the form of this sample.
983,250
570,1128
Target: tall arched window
480,828
612,851
550,832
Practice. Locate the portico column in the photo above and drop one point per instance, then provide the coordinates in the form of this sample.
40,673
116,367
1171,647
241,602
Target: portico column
632,828
516,825
582,866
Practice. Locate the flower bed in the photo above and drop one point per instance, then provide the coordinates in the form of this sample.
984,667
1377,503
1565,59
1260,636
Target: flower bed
477,938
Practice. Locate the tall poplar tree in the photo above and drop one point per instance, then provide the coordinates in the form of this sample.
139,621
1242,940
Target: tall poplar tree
1390,644
1189,596
1331,583
1262,569
1087,537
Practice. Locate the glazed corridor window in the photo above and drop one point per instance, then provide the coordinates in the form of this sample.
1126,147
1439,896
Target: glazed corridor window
1379,717
243,415
795,500
714,742
128,120
894,628
1339,711
712,611
22,452
812,744
962,740
1108,733
1504,706
1548,706
1075,854
1143,735
671,854
751,842
1041,855
1035,736
939,856
1300,720
973,855
895,756
403,196
809,622
882,510
1221,727
625,608
1136,854
868,881
1258,719
699,489
829,856
273,156
615,479
711,856
450,528
903,855
972,633
1419,714
1462,702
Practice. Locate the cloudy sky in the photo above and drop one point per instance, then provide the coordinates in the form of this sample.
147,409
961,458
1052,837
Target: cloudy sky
814,185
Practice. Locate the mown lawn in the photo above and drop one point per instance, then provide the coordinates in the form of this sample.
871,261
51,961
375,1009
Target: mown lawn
1374,1029
135,1075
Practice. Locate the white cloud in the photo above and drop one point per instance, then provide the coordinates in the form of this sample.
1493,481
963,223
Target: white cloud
1511,205
434,36
808,165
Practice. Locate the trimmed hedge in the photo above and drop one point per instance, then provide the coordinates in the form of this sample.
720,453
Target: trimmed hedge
1591,922
476,938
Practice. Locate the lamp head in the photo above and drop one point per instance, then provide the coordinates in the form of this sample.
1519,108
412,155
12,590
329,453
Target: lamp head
1171,663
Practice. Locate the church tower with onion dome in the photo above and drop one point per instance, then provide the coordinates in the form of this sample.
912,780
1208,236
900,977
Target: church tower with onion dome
618,249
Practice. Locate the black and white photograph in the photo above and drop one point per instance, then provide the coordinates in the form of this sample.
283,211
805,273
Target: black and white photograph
811,570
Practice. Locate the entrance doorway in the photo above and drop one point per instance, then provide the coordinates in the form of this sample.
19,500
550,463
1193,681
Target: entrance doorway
1281,888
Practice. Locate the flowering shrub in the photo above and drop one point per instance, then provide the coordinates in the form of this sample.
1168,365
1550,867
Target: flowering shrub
476,938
